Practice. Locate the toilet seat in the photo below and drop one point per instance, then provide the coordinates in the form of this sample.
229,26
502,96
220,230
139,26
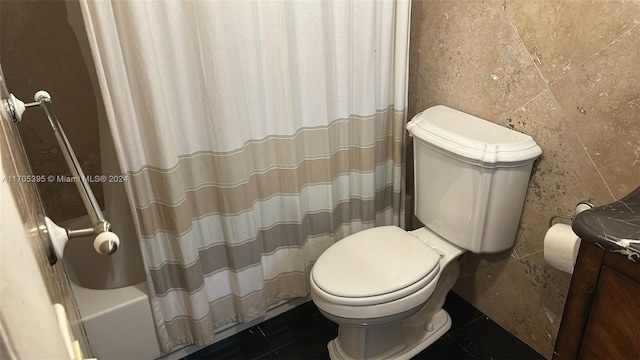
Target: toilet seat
374,266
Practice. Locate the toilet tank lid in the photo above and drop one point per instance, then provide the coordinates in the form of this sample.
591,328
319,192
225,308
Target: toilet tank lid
472,137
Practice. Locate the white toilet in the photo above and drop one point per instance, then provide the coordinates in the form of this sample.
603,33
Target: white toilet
384,286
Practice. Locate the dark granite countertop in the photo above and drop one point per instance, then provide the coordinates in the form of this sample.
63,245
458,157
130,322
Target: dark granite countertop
614,227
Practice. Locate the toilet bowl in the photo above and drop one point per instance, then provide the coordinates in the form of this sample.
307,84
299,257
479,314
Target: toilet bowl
384,286
370,286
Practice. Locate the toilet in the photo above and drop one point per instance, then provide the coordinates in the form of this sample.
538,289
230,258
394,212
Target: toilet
385,287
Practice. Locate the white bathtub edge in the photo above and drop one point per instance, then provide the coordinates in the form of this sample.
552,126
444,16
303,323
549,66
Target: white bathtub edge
94,302
119,323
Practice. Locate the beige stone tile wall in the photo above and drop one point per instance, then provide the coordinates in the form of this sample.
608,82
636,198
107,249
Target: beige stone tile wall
564,72
38,50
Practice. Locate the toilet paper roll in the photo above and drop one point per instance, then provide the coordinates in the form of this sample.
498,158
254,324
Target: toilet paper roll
582,207
561,247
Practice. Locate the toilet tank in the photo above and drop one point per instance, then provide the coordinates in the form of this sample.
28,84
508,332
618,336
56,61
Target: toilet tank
471,178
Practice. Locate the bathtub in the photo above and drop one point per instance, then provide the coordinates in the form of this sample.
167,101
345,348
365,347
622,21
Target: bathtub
112,296
112,293
118,322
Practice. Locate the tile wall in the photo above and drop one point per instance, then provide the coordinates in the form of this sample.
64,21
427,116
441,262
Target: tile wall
39,51
564,72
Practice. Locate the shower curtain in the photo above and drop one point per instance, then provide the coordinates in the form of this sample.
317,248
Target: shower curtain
254,134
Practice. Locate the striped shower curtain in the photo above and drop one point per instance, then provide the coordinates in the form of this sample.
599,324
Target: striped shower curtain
254,134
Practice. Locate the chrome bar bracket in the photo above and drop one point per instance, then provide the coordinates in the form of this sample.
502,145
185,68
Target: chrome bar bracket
106,242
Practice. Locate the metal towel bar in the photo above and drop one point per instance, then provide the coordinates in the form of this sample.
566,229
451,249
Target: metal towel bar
88,199
106,242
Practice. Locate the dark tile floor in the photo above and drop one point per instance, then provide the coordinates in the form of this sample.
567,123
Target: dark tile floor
303,333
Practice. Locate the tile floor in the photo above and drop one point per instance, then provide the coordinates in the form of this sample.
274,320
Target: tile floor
303,333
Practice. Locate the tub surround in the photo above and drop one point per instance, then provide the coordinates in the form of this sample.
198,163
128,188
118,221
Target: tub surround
39,50
614,227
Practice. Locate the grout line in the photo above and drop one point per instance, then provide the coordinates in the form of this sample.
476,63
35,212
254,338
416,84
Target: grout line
519,108
263,334
461,344
597,53
594,165
524,46
437,20
514,251
261,331
549,84
269,353
533,253
533,60
424,32
483,315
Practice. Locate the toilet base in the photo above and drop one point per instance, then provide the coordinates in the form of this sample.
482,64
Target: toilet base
415,338
395,338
